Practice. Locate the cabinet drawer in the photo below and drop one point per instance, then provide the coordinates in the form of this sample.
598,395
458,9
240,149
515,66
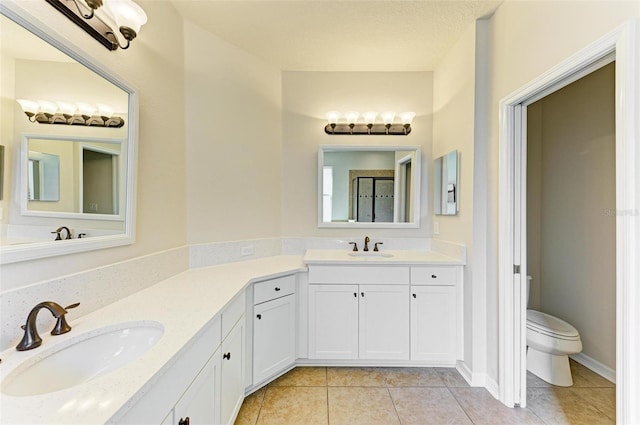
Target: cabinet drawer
274,288
370,275
434,275
232,313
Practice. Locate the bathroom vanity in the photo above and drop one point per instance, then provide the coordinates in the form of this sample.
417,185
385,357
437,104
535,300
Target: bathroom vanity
230,329
400,307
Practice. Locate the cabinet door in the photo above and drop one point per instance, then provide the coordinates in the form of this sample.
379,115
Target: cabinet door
384,322
274,331
433,324
232,373
197,405
333,321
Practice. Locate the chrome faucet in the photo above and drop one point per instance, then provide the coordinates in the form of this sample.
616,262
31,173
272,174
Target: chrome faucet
31,339
366,243
60,229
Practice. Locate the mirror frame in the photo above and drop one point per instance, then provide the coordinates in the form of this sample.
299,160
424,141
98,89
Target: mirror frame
417,177
36,250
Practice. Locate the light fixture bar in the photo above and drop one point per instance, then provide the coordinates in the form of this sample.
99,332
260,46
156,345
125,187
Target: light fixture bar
363,129
94,26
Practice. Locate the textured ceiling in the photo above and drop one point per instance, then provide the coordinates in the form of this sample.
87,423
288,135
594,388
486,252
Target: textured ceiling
303,35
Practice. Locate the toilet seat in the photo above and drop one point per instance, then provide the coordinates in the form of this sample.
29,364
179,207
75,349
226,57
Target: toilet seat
546,324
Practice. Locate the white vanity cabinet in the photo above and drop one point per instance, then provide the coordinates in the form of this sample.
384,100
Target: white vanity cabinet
274,327
196,405
435,314
358,312
205,385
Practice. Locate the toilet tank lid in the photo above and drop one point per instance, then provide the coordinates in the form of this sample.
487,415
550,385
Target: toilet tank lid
550,323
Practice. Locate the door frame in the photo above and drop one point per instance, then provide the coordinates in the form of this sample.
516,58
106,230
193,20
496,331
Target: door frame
624,42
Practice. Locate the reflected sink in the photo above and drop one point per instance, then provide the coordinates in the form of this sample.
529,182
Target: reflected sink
82,359
370,254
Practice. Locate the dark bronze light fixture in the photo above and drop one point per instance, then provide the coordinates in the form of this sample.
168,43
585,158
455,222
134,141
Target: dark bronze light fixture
99,18
45,112
351,126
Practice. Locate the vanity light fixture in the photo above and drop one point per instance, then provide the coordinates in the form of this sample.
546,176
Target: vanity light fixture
46,112
368,126
99,18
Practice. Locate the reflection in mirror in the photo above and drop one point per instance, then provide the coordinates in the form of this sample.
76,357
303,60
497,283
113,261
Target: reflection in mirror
43,182
368,186
445,184
87,172
77,176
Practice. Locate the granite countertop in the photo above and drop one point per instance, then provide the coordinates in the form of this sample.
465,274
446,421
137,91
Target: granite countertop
183,304
384,257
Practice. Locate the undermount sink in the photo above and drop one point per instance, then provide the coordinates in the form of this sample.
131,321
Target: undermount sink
370,254
83,359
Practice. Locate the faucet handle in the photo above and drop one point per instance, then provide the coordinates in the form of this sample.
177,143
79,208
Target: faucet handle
375,246
355,246
58,237
62,327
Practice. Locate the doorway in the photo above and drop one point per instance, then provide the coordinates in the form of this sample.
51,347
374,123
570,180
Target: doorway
512,218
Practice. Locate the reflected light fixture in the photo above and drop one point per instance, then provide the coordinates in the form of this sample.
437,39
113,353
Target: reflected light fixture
350,125
99,18
46,112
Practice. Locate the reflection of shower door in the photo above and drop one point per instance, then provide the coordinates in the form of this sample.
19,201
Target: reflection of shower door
374,199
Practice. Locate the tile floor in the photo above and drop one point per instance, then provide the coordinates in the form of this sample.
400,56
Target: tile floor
370,396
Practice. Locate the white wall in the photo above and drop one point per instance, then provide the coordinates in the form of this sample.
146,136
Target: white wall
576,280
153,64
458,90
307,96
233,114
527,39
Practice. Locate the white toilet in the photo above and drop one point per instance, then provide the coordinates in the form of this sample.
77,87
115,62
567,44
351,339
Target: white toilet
550,341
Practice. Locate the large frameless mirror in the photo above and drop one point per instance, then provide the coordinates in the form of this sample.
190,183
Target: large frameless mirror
369,186
72,173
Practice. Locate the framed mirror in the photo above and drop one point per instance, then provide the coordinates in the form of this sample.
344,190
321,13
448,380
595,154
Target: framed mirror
79,176
369,186
446,190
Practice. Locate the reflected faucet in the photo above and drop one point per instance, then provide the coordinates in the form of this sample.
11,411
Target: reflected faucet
60,229
31,339
366,243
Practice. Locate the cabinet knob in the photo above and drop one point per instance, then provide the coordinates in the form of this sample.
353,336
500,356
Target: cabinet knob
184,421
362,294
355,294
433,276
259,316
226,356
277,289
414,295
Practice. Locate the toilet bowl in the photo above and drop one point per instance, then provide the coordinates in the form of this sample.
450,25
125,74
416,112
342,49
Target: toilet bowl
550,341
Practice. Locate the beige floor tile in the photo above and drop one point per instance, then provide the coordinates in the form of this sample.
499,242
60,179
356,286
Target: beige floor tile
303,377
361,406
451,377
294,405
583,377
603,399
412,377
355,377
563,406
250,409
426,406
482,408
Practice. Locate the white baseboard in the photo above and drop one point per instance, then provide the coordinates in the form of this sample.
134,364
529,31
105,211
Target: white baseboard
590,363
478,379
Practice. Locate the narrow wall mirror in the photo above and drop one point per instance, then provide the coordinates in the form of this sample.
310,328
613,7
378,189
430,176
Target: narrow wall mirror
369,186
78,176
446,189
